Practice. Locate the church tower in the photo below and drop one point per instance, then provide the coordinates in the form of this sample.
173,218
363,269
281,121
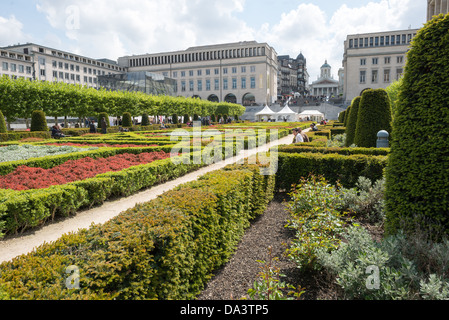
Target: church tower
436,7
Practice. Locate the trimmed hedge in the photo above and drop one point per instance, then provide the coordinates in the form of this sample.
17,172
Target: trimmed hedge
334,167
19,135
38,121
352,122
3,128
343,151
165,249
418,169
374,115
23,210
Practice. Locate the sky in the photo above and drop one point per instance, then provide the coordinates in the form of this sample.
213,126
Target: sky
115,28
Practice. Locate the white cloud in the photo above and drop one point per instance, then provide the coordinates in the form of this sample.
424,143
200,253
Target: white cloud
11,31
114,28
319,37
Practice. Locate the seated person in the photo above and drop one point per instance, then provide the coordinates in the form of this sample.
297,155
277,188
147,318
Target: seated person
56,132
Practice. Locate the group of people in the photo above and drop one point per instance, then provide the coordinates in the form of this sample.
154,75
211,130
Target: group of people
56,132
300,136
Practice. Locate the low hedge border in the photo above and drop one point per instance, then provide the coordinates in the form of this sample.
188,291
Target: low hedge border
342,151
334,167
23,210
165,249
53,161
19,135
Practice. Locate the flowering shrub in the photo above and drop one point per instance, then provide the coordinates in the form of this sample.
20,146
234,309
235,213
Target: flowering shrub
24,152
25,178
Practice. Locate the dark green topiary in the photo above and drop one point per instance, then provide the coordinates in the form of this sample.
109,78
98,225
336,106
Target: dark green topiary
175,119
145,120
341,116
213,118
102,115
3,128
127,121
417,176
351,124
38,121
186,118
374,115
347,113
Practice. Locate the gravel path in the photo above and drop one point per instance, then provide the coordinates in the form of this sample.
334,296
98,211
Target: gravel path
238,275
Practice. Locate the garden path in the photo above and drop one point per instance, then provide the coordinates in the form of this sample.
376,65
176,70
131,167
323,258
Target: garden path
15,246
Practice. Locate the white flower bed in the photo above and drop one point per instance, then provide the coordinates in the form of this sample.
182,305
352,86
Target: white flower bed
24,152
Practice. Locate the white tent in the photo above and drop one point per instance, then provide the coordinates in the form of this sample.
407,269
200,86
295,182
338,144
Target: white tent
288,114
266,112
314,115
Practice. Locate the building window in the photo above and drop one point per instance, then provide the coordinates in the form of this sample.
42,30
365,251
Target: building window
375,61
387,75
175,74
200,85
217,71
253,69
200,73
225,84
374,76
207,72
183,86
225,70
371,42
362,76
362,62
191,73
191,85
207,85
234,69
217,84
234,83
400,59
387,60
253,82
183,74
13,67
5,66
243,69
28,70
243,83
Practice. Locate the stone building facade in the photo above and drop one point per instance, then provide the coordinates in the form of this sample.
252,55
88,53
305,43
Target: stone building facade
244,72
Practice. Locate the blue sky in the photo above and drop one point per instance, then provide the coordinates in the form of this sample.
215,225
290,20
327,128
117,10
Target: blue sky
113,28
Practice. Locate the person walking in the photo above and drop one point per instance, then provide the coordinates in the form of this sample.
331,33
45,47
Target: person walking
103,126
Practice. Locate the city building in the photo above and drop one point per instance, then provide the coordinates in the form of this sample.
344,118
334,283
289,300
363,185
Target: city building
325,86
436,7
243,72
16,65
374,60
37,62
293,77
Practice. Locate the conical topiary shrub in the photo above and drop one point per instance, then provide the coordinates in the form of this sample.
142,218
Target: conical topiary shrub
145,120
38,121
127,120
351,124
174,119
102,115
3,128
374,115
347,113
417,176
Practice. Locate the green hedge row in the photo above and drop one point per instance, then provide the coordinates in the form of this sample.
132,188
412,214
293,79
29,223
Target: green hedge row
165,249
53,161
23,210
334,167
343,151
19,135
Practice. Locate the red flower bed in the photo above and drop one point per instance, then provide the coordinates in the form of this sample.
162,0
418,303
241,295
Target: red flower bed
102,145
25,178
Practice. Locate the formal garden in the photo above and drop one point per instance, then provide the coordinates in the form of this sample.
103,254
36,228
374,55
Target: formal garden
372,221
